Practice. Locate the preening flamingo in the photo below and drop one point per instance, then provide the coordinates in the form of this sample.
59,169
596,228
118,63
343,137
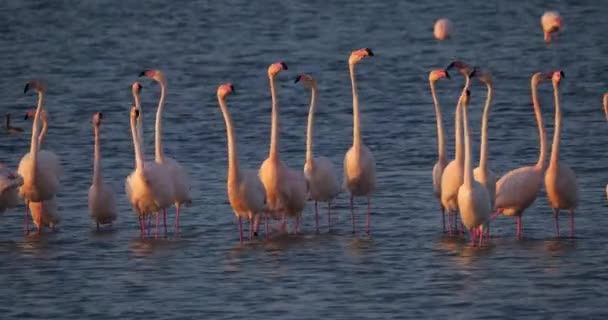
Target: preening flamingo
245,190
10,181
551,22
359,162
442,160
40,169
148,186
319,171
483,174
50,218
560,180
8,128
473,197
286,189
102,205
518,188
179,176
453,173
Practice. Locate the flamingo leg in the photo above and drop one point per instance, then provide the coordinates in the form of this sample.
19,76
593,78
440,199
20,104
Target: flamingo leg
450,223
480,232
519,231
328,215
156,231
256,225
472,235
240,229
316,217
369,216
496,213
556,214
250,229
443,217
27,226
352,212
572,223
297,226
176,227
142,229
283,226
165,221
266,225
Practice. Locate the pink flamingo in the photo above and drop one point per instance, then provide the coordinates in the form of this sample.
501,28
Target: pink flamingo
442,160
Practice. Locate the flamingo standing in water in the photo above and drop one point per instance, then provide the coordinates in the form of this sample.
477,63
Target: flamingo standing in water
560,180
453,174
179,176
10,182
518,188
473,198
245,190
149,184
102,205
50,218
483,174
40,169
442,160
359,162
550,22
319,171
286,189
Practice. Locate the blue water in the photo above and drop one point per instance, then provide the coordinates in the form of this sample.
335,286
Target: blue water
90,52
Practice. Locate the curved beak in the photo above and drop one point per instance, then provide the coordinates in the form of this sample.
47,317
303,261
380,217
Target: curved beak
27,87
143,73
447,75
369,52
284,66
297,79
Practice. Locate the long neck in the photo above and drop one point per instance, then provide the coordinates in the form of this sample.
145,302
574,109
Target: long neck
468,163
34,141
541,128
311,117
483,151
274,131
45,128
458,125
557,129
140,119
97,179
158,150
356,118
233,162
139,157
440,134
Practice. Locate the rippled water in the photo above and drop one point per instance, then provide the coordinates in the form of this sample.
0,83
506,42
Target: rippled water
91,51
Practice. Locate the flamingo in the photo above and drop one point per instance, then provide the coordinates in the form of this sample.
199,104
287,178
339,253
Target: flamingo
10,181
442,160
179,176
473,198
146,187
483,174
560,180
453,173
359,162
8,128
286,189
50,218
518,188
550,22
40,169
319,171
245,190
102,205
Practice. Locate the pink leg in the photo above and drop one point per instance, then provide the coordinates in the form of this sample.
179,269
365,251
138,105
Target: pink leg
316,217
250,229
572,223
156,231
256,225
496,214
352,213
240,229
328,215
556,213
176,231
472,235
369,217
27,226
142,230
450,223
165,221
297,226
480,232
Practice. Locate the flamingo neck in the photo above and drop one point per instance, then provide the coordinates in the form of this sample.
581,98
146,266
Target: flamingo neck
557,130
139,157
97,179
468,163
356,116
34,141
458,133
483,152
274,131
159,154
140,119
540,164
309,129
45,128
233,163
441,148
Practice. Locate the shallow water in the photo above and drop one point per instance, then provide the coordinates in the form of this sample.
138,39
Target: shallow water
91,51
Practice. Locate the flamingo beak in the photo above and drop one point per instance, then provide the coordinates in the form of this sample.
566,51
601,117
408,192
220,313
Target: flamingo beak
297,79
27,87
284,66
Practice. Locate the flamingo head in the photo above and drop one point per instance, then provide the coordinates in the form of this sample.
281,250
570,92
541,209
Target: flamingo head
358,55
482,75
551,22
556,76
97,116
438,74
37,85
136,88
464,99
155,75
275,68
306,79
30,114
462,67
224,89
